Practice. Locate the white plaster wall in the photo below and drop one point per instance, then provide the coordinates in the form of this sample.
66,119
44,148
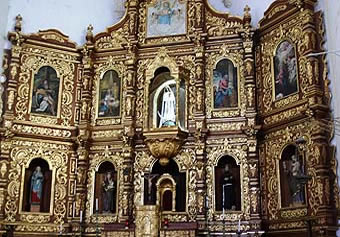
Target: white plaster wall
70,17
3,27
73,17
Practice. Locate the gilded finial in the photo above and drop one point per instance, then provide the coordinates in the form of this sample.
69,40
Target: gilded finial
18,25
247,11
89,34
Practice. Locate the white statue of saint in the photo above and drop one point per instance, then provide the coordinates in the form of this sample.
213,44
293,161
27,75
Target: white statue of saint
168,109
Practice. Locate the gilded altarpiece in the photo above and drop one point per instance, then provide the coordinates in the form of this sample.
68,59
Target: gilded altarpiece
300,119
252,130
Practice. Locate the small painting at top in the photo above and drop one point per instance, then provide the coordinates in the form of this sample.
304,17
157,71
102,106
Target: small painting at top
166,17
285,70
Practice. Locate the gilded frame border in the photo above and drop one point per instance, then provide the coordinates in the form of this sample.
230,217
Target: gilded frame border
34,72
219,59
152,3
236,57
101,68
102,73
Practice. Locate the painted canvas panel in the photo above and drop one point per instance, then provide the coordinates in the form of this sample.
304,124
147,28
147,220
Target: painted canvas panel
166,17
45,92
285,70
109,95
225,87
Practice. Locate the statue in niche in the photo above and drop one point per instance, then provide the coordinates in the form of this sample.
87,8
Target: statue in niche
168,109
108,193
296,180
37,180
228,190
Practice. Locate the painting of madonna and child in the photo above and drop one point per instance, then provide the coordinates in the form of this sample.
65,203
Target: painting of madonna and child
285,70
225,87
45,92
109,95
166,17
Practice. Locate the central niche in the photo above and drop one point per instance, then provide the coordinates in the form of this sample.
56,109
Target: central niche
167,100
165,127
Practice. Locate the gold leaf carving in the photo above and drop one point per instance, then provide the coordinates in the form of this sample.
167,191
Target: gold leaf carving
41,131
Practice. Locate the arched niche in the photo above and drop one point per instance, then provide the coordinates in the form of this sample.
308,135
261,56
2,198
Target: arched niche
109,95
285,70
167,100
227,184
292,173
151,179
165,93
37,187
225,85
45,92
105,190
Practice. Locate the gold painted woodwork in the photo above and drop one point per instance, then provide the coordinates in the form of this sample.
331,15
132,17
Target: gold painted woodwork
147,221
76,141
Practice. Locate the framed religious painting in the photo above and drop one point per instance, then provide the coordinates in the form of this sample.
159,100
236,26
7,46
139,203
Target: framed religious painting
166,18
285,70
45,92
225,85
109,95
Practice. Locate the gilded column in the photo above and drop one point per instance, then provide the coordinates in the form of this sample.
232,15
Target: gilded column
83,108
198,36
129,113
251,127
7,134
